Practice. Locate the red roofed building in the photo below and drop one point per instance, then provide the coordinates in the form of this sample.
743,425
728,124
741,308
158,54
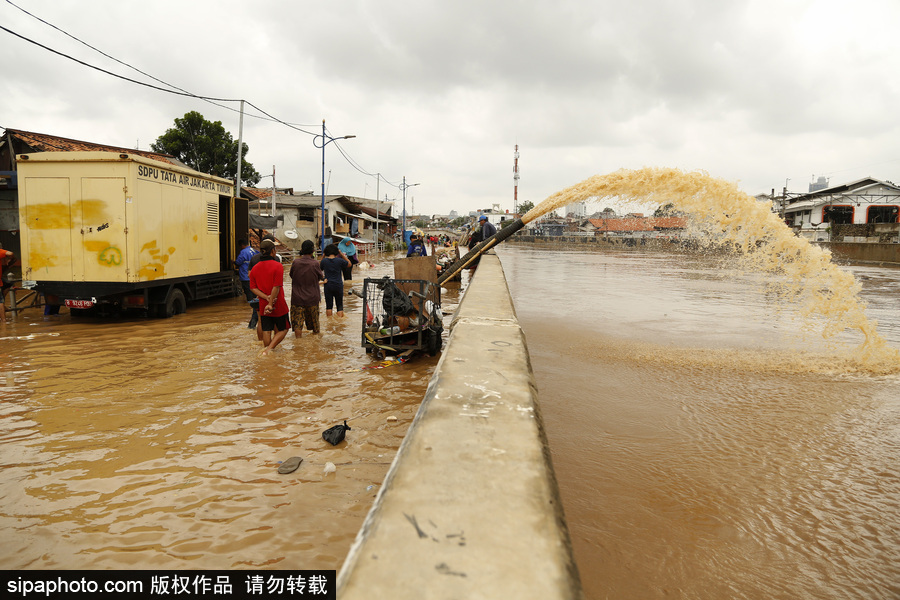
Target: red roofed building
634,225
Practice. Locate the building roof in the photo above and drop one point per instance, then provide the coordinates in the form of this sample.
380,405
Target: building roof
621,224
643,224
253,193
853,187
29,141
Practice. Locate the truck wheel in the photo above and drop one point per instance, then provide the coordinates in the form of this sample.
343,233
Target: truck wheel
175,303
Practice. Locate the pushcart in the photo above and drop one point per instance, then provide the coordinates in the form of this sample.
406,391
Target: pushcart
401,315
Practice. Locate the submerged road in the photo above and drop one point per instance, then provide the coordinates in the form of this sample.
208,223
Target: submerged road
142,443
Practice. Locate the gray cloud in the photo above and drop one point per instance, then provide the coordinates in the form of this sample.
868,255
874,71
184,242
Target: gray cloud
757,91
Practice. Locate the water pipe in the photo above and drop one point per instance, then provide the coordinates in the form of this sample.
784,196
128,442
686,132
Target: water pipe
480,249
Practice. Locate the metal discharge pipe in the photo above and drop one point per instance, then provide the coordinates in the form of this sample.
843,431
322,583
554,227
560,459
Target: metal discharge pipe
480,249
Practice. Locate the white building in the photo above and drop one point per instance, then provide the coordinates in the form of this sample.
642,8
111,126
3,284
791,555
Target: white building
495,215
866,201
577,210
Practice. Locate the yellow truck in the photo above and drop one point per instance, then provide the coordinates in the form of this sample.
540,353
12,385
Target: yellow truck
106,231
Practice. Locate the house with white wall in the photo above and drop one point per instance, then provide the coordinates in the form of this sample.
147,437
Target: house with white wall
866,201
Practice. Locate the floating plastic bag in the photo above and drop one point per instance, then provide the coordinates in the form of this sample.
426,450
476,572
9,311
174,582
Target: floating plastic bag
335,435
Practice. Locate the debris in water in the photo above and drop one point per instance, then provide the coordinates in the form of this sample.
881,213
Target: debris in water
335,435
290,465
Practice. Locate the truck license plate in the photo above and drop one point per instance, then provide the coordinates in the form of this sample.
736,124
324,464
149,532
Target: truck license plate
79,303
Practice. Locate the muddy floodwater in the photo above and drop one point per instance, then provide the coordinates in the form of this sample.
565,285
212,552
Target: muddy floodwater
708,442
154,443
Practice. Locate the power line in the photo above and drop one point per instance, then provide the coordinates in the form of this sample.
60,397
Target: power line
175,89
90,66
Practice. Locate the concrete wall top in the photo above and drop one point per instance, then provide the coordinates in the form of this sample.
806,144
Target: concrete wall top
470,507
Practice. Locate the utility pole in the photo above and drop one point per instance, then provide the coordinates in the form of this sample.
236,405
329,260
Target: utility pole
237,176
377,193
516,180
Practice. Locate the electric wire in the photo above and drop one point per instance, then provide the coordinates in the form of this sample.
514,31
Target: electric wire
173,86
175,90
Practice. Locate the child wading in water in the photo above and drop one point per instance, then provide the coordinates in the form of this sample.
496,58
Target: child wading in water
333,266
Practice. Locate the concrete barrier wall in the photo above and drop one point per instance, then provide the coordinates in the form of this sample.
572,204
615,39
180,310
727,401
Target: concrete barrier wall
470,508
864,252
870,253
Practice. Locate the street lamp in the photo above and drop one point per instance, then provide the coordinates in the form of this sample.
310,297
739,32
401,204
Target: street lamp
325,140
403,187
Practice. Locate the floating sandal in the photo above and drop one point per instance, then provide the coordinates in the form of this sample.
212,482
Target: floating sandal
290,465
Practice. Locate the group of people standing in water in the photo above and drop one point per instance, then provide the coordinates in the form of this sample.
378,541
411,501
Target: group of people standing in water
262,279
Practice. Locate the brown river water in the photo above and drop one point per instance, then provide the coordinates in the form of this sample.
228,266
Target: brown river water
708,441
154,444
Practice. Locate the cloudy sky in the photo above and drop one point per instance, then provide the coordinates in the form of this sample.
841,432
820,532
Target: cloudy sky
760,92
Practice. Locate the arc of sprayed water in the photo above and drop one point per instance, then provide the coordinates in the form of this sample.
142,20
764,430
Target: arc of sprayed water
761,239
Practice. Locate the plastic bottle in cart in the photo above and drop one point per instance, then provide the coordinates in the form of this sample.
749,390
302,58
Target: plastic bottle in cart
392,331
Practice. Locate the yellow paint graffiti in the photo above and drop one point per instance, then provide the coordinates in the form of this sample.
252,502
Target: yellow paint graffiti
95,246
152,262
49,215
58,215
42,255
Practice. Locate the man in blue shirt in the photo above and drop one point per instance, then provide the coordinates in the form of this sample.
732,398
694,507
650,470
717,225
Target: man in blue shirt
416,247
487,228
242,264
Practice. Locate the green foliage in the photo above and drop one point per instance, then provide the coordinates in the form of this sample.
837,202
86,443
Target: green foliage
524,207
205,146
666,210
388,247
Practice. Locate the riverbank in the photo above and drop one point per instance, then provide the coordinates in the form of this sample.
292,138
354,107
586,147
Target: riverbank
470,507
850,252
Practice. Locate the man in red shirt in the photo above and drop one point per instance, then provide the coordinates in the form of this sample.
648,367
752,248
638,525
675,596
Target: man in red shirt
267,282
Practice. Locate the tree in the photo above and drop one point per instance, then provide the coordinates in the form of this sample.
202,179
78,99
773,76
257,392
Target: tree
524,207
206,147
666,210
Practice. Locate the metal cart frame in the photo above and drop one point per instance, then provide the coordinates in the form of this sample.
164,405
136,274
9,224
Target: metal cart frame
400,315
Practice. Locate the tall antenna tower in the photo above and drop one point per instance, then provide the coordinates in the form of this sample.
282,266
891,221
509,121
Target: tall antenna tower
516,180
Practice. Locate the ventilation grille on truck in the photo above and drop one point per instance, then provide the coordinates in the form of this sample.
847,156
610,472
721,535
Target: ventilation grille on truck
212,217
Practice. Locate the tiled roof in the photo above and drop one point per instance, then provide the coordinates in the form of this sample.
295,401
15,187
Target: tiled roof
669,222
647,224
41,142
256,193
621,224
